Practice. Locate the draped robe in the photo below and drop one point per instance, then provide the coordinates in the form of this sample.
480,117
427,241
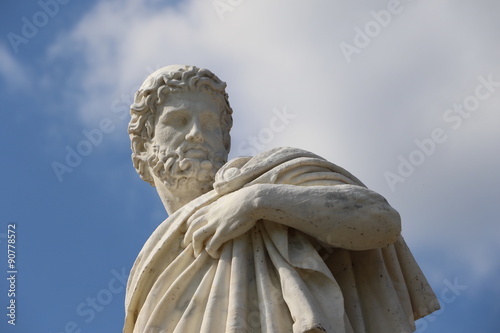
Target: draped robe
273,278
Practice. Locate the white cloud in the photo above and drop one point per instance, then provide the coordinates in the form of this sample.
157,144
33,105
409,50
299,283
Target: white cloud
361,115
11,70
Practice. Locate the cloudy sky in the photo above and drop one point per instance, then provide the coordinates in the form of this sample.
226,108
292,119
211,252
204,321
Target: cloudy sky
404,94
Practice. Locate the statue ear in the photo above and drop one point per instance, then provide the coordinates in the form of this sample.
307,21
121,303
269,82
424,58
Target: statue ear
143,151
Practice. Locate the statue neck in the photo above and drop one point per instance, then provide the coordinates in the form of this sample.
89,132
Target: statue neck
174,199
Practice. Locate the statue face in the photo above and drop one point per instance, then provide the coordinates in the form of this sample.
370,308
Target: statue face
190,121
187,148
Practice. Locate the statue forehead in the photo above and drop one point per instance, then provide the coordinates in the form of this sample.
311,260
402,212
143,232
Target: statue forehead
190,101
190,96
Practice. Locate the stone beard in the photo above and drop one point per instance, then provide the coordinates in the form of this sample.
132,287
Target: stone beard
176,170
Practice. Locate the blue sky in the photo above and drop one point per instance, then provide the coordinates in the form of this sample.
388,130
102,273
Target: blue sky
405,95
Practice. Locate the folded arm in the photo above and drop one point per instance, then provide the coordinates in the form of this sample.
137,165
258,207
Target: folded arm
345,216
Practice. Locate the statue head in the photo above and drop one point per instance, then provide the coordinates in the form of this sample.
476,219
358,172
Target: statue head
179,127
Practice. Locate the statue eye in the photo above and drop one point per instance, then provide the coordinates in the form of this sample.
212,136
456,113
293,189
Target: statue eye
210,120
176,120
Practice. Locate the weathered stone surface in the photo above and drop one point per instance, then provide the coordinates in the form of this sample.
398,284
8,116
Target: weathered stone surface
284,241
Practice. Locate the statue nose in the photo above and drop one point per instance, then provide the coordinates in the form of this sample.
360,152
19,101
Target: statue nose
195,134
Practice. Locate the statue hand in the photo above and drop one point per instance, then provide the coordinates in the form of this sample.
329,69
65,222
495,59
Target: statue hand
227,218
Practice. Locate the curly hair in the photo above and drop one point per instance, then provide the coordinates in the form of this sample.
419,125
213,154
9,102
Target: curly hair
155,89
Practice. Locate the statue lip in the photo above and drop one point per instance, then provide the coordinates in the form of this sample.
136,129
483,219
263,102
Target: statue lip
195,152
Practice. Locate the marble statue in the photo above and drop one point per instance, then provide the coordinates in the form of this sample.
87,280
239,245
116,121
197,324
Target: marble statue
284,241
